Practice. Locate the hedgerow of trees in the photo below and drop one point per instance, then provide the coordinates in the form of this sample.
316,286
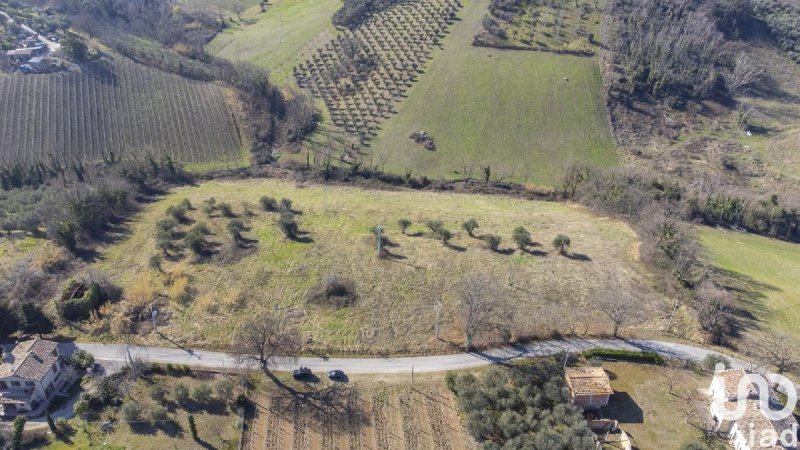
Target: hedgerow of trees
783,19
522,407
355,12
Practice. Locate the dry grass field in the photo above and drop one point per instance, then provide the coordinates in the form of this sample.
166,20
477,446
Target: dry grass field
202,301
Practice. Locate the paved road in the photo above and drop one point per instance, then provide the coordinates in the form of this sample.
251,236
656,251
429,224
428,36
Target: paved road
114,355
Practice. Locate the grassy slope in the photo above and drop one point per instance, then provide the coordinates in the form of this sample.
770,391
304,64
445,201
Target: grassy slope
276,39
647,411
769,269
395,305
512,110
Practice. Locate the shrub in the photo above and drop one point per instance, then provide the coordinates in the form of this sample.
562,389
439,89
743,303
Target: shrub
180,393
445,235
241,400
209,206
493,241
334,291
157,393
17,427
131,412
63,427
224,388
155,262
226,209
434,225
286,205
712,359
561,243
626,355
403,224
470,226
81,359
450,379
201,393
177,212
158,414
268,203
288,225
521,237
235,228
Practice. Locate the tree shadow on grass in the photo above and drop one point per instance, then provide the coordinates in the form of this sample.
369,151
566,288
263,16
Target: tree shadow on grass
302,237
578,257
456,247
504,251
535,252
750,310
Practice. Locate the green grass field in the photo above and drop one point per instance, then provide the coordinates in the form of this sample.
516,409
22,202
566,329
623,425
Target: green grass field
394,311
525,114
646,410
277,39
767,269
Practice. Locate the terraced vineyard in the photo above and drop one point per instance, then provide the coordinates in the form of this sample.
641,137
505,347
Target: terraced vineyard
362,74
115,105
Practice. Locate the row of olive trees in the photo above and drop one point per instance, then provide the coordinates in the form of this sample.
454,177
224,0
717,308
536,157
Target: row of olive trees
520,235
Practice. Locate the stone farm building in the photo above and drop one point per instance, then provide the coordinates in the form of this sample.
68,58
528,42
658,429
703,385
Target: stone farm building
589,387
751,429
31,373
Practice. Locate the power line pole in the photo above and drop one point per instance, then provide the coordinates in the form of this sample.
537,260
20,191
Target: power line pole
438,313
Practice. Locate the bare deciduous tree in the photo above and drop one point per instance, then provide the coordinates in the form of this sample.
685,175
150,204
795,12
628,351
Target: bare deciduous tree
266,335
777,350
745,72
712,304
620,309
483,307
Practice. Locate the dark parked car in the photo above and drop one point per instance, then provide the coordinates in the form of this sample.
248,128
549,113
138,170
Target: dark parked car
337,375
301,373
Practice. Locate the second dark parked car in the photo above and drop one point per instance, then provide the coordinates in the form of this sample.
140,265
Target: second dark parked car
337,375
301,373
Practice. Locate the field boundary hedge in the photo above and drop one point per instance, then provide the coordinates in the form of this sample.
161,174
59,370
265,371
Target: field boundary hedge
626,355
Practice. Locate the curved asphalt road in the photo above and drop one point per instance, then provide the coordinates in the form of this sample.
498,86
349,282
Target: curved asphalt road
114,355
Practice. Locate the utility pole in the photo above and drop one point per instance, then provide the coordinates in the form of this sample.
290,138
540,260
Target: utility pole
438,314
153,315
672,315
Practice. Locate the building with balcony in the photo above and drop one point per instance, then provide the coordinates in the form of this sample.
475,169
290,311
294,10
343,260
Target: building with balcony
31,374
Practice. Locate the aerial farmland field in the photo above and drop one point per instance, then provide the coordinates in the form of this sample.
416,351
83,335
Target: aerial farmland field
115,105
526,114
279,38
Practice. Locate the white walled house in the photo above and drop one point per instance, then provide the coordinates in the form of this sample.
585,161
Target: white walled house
31,373
752,429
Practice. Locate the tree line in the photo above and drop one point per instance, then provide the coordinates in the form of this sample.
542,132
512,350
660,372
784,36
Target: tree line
677,48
